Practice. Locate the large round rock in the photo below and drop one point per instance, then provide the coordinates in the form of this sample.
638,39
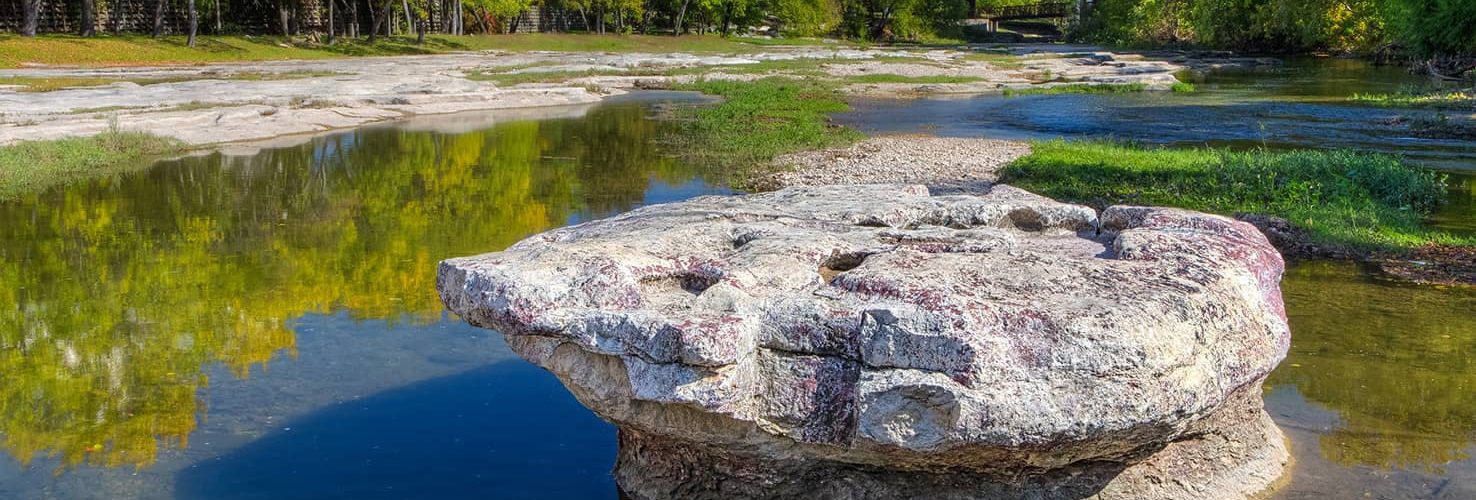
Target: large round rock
876,341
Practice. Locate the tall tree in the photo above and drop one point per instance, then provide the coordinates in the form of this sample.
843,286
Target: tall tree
194,24
680,17
330,21
89,18
159,18
31,18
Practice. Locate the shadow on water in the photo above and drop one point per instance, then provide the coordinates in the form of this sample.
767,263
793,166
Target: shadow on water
508,430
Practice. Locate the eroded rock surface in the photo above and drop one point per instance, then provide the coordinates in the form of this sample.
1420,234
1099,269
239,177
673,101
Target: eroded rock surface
875,341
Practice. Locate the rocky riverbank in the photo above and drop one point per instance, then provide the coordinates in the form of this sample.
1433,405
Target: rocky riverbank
224,103
945,165
962,165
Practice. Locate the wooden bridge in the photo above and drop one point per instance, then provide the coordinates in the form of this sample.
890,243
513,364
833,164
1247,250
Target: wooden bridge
1041,10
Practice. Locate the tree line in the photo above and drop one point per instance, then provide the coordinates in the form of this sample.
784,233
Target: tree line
856,19
1422,28
1436,30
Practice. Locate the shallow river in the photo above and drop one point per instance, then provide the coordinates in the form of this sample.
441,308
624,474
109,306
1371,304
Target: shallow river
263,324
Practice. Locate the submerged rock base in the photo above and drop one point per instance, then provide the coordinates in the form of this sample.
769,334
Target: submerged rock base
877,341
1238,454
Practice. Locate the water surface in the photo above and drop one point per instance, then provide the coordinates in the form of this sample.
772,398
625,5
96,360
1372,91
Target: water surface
263,324
1302,104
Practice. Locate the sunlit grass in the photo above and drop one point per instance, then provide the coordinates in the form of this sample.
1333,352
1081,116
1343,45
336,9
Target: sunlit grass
1412,98
36,165
143,50
1344,198
49,84
760,120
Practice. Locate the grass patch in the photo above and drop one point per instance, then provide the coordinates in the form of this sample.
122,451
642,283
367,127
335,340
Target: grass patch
49,84
30,167
996,59
886,78
510,79
1184,88
1079,88
806,67
1342,198
144,50
1412,98
760,120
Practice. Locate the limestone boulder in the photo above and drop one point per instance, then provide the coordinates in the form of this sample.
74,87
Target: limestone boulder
867,341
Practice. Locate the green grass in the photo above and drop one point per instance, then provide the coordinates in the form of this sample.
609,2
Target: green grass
1413,98
1079,88
1184,88
30,167
996,59
1341,198
143,50
48,84
760,120
807,67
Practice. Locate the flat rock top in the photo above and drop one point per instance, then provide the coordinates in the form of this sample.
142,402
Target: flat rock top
879,315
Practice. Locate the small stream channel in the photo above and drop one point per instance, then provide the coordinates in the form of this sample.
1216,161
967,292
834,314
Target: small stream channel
263,323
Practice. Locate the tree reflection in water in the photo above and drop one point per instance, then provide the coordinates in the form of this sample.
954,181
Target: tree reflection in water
125,289
1393,360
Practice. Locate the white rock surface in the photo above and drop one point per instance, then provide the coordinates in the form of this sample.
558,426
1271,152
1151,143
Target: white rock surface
869,341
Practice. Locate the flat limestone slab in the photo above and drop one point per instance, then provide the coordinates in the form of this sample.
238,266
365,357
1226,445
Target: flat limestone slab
868,341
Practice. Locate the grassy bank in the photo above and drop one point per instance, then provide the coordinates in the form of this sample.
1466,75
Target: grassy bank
33,166
1343,199
759,120
48,84
142,50
1444,99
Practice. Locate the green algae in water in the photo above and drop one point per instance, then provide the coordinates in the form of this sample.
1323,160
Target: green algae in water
1396,361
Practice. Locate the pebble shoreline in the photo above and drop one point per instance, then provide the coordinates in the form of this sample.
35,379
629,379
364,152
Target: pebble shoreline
943,164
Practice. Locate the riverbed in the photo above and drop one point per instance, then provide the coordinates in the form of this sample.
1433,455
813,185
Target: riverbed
262,322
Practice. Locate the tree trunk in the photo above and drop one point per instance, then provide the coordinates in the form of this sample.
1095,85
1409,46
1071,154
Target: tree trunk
330,21
409,20
217,17
158,18
420,26
89,18
31,18
194,24
377,18
284,18
728,17
677,26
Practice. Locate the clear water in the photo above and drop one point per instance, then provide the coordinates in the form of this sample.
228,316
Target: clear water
1300,104
264,325
1378,394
